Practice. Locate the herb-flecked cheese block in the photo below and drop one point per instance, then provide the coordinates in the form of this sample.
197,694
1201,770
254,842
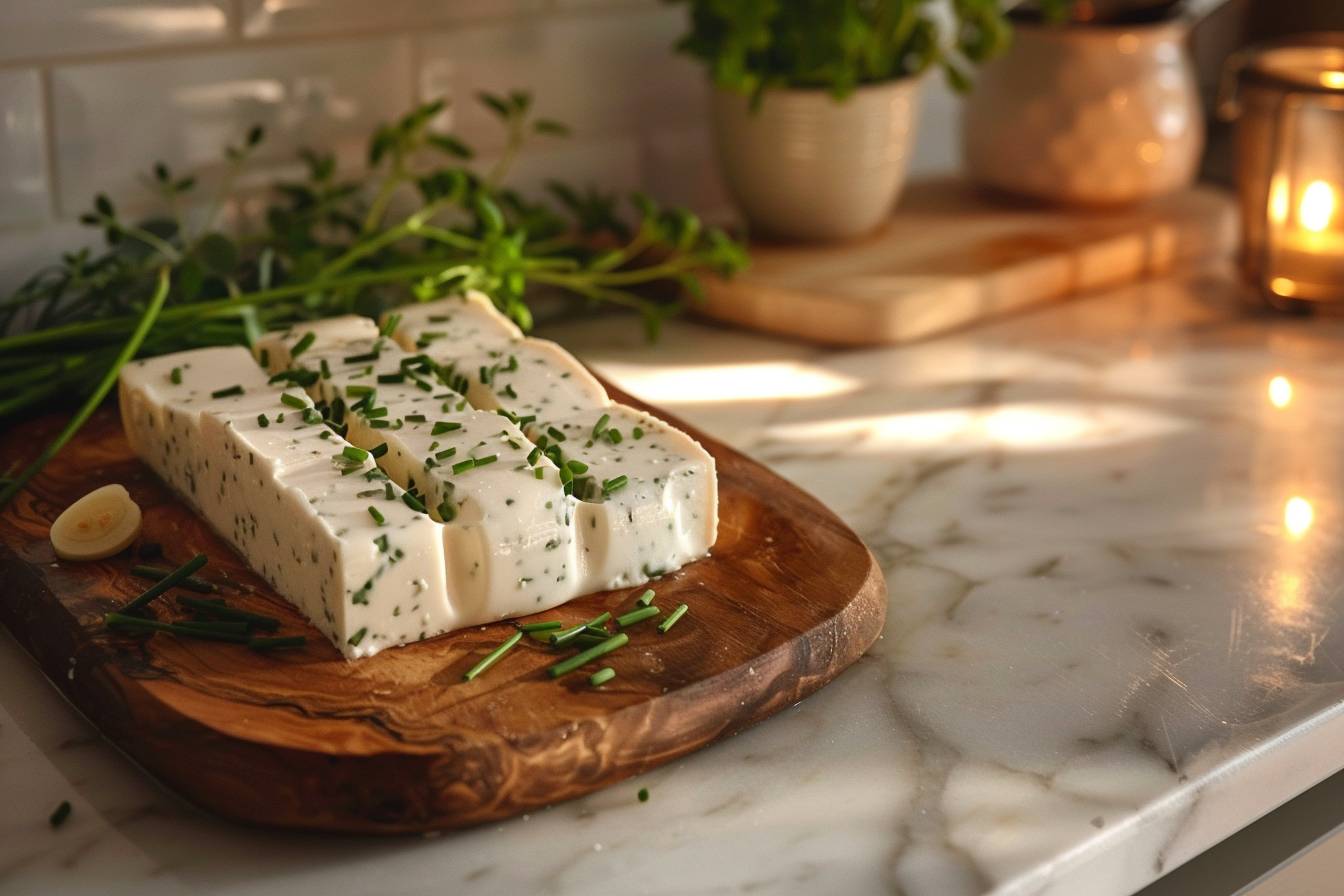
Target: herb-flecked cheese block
465,324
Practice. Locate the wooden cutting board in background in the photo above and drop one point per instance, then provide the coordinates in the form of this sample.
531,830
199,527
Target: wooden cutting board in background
398,741
952,256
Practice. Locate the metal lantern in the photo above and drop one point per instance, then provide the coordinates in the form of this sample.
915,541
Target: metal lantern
1288,101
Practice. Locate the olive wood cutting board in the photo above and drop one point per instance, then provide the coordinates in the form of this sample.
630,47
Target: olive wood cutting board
399,742
952,256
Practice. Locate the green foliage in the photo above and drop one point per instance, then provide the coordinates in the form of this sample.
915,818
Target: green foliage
328,245
751,46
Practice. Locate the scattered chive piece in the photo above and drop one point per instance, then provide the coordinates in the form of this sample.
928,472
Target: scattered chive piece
413,502
562,637
602,676
358,636
264,644
353,391
643,791
445,453
218,626
671,619
555,434
387,491
168,581
637,616
225,393
158,573
224,611
614,436
415,418
447,510
303,344
463,466
494,656
601,425
381,542
638,434
444,426
312,416
533,456
538,473
59,816
121,620
487,460
576,467
350,452
377,515
615,484
292,401
360,359
548,626
265,357
378,450
564,667
389,325
645,599
176,378
324,368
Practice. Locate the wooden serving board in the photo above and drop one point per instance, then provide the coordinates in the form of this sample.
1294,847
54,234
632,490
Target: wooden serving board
952,256
399,742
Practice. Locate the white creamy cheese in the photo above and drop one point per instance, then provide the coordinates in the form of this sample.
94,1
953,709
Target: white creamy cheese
466,324
660,510
275,350
508,535
265,476
534,378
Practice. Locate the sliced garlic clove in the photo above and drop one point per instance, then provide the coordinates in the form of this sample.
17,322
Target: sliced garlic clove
100,524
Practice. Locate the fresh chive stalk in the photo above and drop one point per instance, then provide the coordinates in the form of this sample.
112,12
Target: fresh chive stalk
139,623
564,667
639,615
157,573
645,599
222,610
494,656
168,581
547,626
601,676
562,637
671,619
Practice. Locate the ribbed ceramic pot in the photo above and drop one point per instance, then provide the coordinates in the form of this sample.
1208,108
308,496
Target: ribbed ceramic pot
805,166
1092,115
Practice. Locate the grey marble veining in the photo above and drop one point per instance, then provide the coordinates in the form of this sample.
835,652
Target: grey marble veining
1116,588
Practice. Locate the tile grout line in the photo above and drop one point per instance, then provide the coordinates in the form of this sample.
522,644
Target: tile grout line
47,103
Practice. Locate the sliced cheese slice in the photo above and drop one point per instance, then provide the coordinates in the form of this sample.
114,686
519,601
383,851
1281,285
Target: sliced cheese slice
466,324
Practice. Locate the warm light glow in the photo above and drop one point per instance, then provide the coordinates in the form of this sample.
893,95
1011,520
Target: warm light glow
1283,286
1333,80
1278,199
1298,516
1280,391
1317,207
762,381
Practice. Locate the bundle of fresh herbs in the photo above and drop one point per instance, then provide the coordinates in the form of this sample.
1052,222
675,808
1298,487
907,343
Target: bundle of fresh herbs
329,245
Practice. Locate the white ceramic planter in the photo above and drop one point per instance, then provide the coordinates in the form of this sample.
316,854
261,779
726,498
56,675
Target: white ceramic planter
807,167
1092,115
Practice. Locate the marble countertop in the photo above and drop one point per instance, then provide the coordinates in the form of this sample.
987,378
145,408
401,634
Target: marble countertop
1114,637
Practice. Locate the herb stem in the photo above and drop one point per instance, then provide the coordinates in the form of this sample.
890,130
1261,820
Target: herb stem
168,581
564,667
494,656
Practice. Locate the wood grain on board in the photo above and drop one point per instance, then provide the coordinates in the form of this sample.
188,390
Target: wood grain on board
952,256
399,742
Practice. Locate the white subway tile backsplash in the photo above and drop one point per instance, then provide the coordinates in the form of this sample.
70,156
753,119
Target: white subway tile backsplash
265,18
602,74
613,165
35,28
680,168
113,121
23,167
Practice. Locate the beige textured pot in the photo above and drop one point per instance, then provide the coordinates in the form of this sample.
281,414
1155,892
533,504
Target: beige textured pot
1094,115
805,166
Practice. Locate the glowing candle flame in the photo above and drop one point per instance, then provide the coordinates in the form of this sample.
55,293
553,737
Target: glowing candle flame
1298,516
1280,391
1333,80
1278,199
1317,207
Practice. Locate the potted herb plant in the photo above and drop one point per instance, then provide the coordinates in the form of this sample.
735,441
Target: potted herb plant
1095,104
814,101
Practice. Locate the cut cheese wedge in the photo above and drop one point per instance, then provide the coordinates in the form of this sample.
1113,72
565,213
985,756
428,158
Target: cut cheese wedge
466,324
648,494
270,477
276,350
508,523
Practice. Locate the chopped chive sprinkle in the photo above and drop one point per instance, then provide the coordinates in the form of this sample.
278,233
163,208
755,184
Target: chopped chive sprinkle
637,616
508,392
562,637
121,621
387,491
303,344
312,416
615,484
548,626
225,393
672,618
463,466
324,368
445,453
59,816
390,324
533,456
487,460
265,357
158,573
362,358
381,542
357,637
380,424
643,794
614,436
645,599
447,510
176,376
538,473
350,452
576,466
555,434
602,676
638,434
444,426
564,667
391,377
168,581
601,425
358,390
378,450
494,656
292,401
262,421
415,418
221,610
413,502
377,515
